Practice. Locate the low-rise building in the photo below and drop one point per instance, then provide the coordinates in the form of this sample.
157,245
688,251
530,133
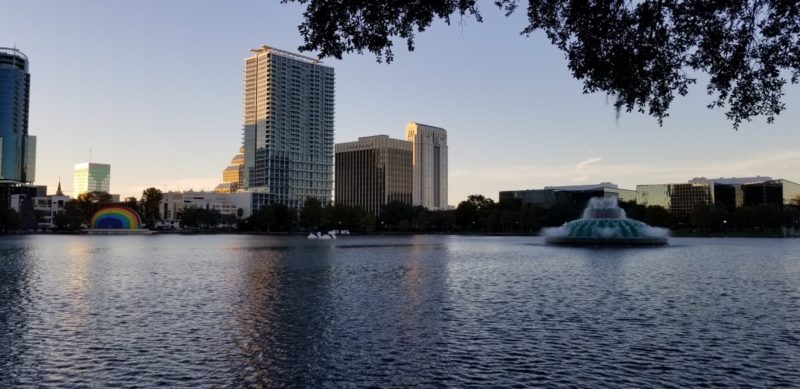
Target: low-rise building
46,207
236,204
726,193
578,195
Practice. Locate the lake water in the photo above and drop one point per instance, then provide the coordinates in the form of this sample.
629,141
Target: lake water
238,310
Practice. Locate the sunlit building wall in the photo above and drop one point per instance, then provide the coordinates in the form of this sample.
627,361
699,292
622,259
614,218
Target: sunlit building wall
678,198
374,171
724,193
233,175
91,177
429,146
288,128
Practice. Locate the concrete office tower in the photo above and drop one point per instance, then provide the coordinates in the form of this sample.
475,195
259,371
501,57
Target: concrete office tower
373,171
430,165
91,177
17,149
288,128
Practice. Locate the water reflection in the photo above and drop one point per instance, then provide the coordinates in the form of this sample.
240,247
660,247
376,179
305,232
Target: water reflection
16,269
255,311
283,313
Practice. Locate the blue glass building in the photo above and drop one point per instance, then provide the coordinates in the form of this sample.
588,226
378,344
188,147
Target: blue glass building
17,150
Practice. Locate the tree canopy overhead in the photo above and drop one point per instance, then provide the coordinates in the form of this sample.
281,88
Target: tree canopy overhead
641,53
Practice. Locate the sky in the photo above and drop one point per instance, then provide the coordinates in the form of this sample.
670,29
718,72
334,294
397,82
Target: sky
155,89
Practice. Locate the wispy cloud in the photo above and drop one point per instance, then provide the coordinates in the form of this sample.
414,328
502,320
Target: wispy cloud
779,164
587,162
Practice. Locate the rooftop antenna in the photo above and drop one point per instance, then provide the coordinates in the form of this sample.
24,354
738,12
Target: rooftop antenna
90,155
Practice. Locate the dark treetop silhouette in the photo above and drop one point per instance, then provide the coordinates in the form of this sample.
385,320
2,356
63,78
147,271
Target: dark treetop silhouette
641,53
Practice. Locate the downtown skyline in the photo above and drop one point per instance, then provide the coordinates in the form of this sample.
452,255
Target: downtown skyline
515,117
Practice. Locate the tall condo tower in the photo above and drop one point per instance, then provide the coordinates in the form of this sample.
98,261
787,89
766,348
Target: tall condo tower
430,165
17,149
373,171
92,177
288,128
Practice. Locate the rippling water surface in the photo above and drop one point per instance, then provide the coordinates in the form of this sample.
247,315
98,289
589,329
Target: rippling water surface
396,311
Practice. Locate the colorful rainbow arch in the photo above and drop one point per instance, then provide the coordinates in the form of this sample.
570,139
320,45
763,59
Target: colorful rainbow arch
115,217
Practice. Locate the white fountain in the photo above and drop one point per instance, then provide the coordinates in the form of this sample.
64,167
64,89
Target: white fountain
604,223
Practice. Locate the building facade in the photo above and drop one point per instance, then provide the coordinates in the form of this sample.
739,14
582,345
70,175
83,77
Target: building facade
374,171
17,148
577,195
233,175
680,199
725,193
237,204
429,149
288,128
91,177
47,207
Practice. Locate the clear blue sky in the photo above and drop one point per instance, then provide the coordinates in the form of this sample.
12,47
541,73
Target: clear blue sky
154,89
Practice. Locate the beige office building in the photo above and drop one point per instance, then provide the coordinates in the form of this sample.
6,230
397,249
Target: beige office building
373,171
429,145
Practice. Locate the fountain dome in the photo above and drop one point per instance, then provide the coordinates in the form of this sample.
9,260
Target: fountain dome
604,223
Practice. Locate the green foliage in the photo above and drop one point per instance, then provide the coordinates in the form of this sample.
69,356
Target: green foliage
475,213
395,213
72,217
10,220
30,220
197,217
131,203
151,203
344,217
91,202
272,218
311,214
478,214
640,53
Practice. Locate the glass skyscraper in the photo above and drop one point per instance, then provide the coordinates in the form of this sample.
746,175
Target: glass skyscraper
92,177
17,149
288,128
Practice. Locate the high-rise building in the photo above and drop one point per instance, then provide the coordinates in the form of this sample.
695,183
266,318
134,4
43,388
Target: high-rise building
430,165
17,149
373,171
91,177
288,128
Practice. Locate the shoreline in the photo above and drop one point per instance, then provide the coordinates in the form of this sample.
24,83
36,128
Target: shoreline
379,234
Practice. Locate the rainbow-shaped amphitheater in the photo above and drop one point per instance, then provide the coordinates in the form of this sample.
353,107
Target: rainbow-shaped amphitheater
115,217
